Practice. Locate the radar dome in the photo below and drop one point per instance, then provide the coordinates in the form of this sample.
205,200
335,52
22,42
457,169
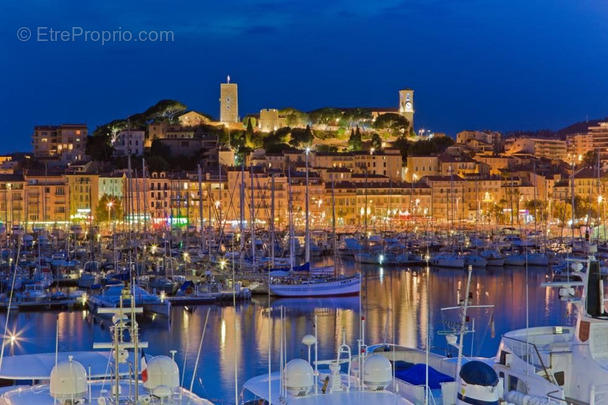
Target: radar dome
162,370
68,380
478,384
479,373
378,372
299,379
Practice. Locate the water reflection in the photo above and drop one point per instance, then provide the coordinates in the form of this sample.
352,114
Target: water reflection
398,305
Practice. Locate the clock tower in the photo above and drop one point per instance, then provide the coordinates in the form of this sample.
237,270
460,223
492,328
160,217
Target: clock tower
406,105
229,106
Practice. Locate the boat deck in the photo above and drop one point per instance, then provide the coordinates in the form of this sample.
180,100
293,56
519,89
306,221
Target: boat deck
38,305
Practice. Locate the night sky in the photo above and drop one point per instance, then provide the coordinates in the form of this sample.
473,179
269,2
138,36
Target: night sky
474,64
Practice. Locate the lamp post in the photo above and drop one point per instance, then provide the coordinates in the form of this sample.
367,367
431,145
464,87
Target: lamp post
110,205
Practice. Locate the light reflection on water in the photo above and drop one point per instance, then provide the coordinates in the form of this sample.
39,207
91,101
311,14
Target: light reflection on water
397,305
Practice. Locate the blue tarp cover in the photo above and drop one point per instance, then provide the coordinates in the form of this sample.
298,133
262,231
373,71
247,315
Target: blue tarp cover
416,375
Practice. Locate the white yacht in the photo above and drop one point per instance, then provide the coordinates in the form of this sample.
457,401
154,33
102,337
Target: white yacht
561,364
418,374
307,382
110,377
447,260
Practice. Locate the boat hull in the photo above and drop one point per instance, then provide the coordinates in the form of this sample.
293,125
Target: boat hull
343,287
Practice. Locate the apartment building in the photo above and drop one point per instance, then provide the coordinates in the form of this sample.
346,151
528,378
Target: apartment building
66,142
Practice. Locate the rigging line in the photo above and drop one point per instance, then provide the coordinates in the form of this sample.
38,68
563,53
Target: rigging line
10,300
200,347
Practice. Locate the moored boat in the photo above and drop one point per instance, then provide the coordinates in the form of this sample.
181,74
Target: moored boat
316,286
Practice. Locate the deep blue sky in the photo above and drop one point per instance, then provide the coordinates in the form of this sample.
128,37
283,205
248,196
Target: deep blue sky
474,64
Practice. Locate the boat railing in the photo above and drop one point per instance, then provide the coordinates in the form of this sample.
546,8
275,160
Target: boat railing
598,395
529,352
555,396
417,393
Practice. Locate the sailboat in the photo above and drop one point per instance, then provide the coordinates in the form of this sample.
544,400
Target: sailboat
308,285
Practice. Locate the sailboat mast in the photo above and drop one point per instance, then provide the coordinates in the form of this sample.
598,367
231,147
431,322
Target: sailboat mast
130,211
242,212
463,321
292,244
271,222
252,215
599,199
365,212
572,202
200,208
307,213
333,219
535,201
145,202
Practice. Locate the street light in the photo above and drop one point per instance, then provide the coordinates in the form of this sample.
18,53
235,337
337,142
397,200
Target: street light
110,205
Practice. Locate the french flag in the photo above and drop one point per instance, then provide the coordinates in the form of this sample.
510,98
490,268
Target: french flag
144,367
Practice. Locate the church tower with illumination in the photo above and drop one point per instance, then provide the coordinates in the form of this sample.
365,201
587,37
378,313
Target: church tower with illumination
229,105
406,105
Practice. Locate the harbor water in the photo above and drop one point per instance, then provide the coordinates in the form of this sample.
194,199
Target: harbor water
402,306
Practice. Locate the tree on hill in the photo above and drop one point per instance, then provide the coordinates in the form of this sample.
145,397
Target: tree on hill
403,145
294,117
164,110
590,158
393,123
280,137
158,148
579,127
356,116
376,141
301,136
326,148
252,141
249,128
326,116
249,119
99,148
423,148
443,142
355,142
